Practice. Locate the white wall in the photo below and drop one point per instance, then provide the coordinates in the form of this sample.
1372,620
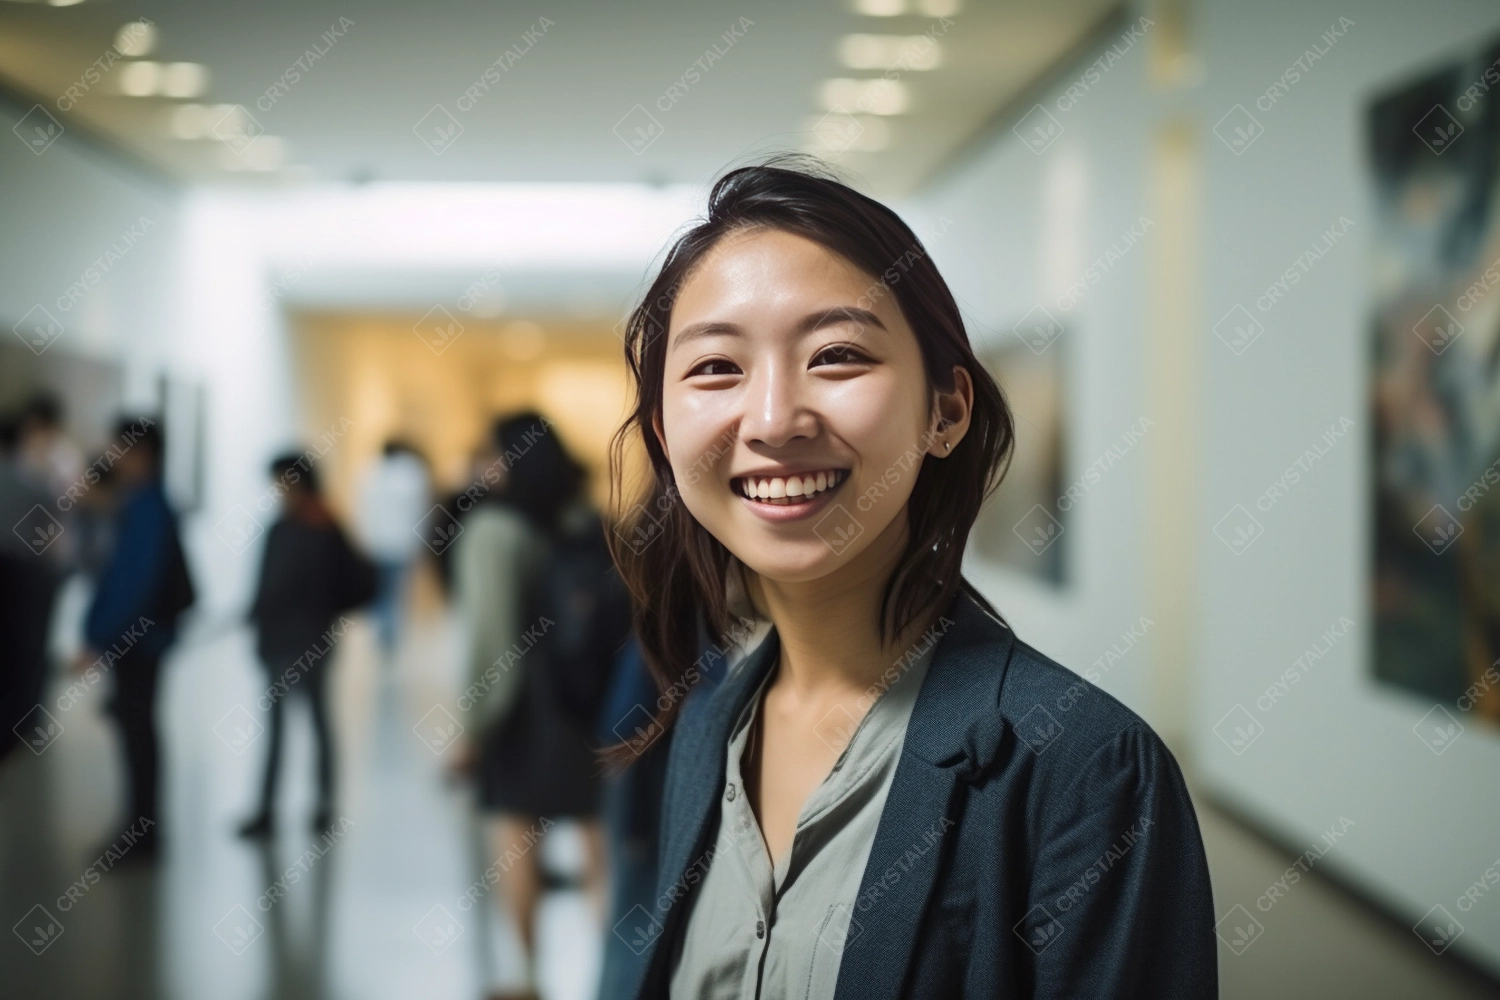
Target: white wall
64,209
1337,746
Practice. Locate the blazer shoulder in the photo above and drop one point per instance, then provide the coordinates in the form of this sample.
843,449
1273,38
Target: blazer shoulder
1048,704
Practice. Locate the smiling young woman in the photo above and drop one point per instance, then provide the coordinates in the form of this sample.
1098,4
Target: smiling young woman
892,795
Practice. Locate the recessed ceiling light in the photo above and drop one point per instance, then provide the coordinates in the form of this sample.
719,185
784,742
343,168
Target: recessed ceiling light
890,52
191,121
63,3
879,8
135,38
872,97
140,79
266,152
184,79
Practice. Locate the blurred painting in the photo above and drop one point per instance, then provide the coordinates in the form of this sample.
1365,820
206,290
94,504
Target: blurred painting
1021,525
1434,146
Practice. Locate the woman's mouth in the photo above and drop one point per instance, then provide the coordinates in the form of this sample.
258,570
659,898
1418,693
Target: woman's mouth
789,491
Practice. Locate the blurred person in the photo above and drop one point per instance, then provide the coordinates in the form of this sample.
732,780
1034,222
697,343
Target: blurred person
460,502
46,450
309,573
30,574
828,830
631,803
393,499
132,618
546,614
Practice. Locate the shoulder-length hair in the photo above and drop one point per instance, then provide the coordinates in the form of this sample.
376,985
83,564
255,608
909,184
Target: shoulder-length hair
676,570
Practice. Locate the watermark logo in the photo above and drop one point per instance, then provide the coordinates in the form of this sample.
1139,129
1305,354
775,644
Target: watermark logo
38,729
1239,129
439,529
38,929
1437,329
38,529
1239,929
638,929
438,129
1038,529
1039,929
1238,529
238,529
1438,929
838,130
1038,329
438,929
639,129
1239,329
1438,529
238,729
1238,729
1438,729
38,129
1438,129
238,929
438,329
237,129
438,729
838,528
38,329
1039,729
1038,129
638,730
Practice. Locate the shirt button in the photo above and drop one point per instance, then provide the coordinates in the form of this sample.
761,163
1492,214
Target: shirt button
730,792
760,928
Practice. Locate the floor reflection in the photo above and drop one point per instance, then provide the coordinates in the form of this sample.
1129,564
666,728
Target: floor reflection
347,911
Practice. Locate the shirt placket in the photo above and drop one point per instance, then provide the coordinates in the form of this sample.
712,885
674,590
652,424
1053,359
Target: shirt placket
754,865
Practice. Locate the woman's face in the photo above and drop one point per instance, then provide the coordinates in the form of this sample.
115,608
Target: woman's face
795,406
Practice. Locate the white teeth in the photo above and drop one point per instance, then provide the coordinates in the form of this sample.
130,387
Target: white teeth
778,488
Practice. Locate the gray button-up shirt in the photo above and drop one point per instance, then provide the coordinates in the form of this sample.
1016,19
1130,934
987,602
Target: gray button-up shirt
778,933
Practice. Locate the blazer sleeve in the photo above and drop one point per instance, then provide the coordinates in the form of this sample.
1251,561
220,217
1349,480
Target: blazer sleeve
1120,902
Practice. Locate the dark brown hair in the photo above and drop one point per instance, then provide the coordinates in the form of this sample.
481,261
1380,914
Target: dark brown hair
675,569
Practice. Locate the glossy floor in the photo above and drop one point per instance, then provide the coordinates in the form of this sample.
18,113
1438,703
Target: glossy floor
373,910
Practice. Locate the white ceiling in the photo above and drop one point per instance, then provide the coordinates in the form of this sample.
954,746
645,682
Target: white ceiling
553,114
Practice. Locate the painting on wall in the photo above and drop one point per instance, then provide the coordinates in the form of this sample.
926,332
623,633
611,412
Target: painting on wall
1021,525
1434,149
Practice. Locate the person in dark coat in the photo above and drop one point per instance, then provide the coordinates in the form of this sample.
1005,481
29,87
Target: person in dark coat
132,619
309,574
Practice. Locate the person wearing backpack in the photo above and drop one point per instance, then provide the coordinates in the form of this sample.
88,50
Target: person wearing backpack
546,614
132,619
309,574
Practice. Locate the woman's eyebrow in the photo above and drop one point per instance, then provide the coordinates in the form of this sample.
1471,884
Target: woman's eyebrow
840,314
707,328
808,324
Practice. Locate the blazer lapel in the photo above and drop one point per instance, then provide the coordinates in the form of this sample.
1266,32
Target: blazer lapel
952,736
695,813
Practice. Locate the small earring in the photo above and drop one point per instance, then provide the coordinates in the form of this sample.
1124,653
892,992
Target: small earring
947,445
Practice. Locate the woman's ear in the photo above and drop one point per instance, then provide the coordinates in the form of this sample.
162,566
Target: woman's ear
661,437
953,410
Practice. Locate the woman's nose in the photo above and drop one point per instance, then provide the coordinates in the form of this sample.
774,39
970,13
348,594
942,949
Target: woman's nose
776,409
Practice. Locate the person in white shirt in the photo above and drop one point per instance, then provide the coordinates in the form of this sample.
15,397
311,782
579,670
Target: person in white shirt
393,499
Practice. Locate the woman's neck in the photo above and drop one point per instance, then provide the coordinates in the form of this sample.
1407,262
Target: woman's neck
828,628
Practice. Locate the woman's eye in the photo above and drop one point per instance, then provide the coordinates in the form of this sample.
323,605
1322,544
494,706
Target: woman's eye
708,367
842,354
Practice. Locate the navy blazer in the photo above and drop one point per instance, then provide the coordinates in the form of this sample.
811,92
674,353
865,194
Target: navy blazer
1037,841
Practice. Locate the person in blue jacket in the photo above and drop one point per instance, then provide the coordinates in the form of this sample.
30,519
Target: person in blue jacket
132,619
892,795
